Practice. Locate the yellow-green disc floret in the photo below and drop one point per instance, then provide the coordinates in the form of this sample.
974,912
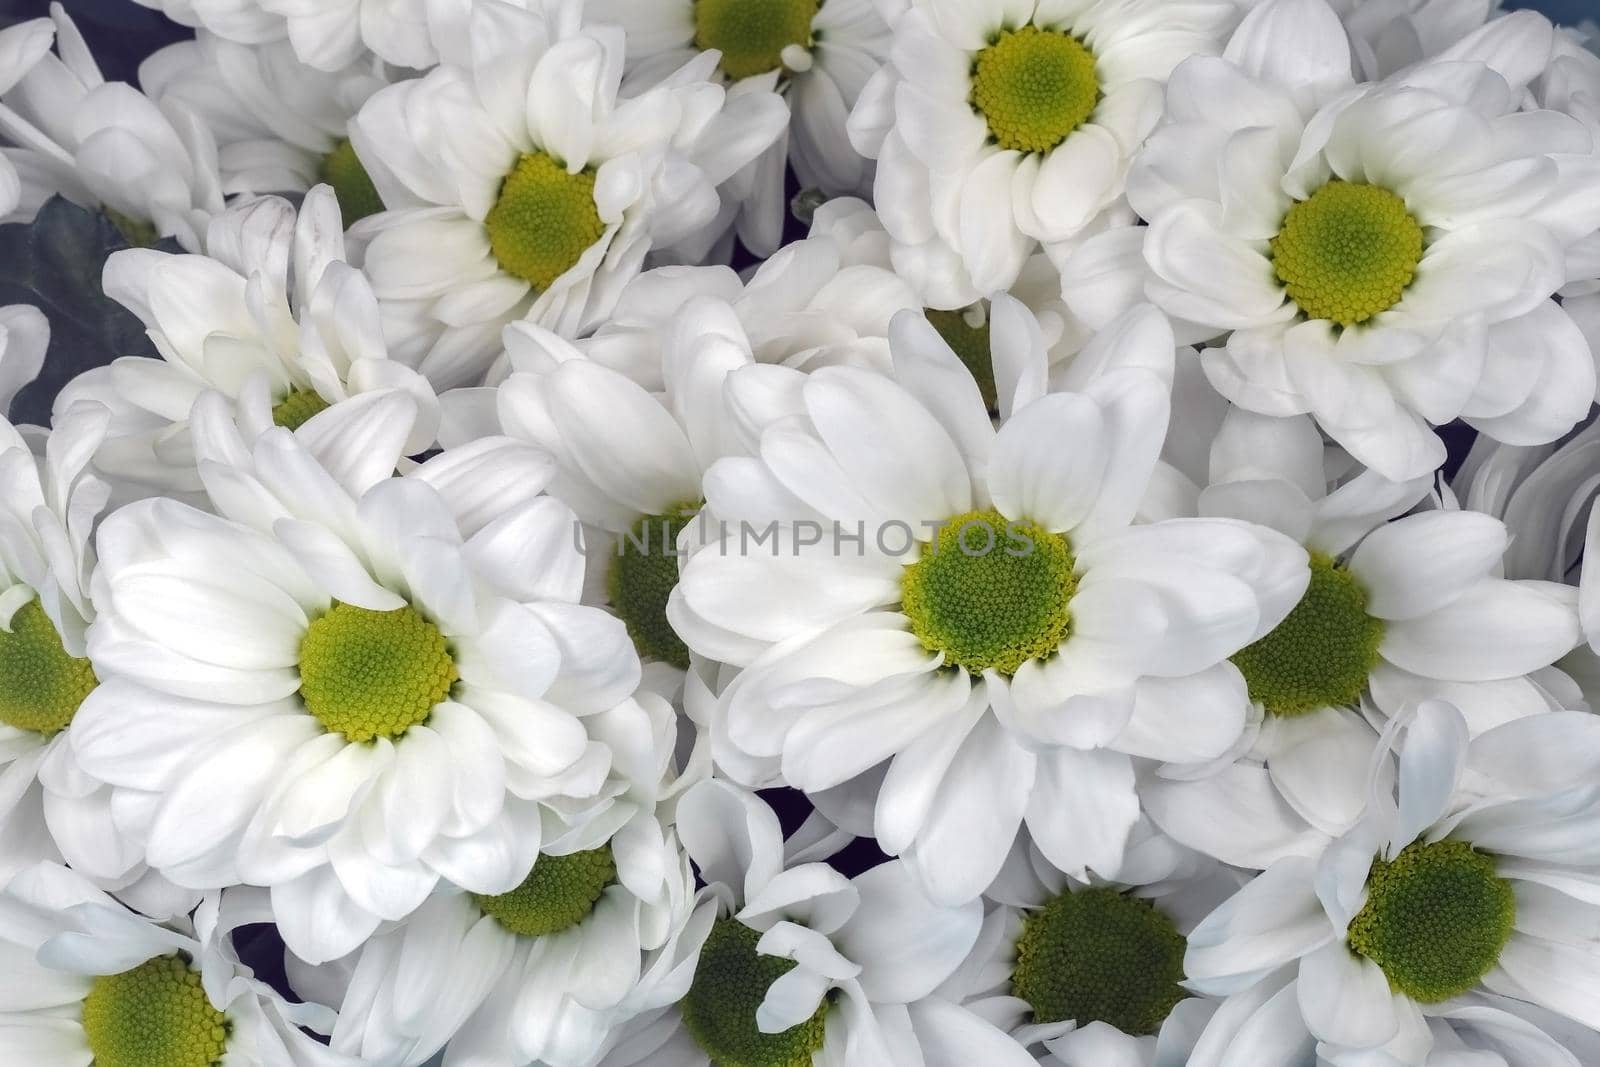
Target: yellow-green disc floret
752,34
559,893
641,578
971,345
156,1015
730,981
1436,918
352,186
1034,87
1348,252
293,410
137,232
41,685
1100,955
543,221
1319,656
990,593
368,674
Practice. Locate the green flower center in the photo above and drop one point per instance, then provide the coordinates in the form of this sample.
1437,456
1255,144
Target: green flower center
368,674
971,345
544,220
642,577
137,232
352,186
558,894
1034,87
1348,252
1100,955
155,1014
1435,919
41,686
990,593
752,34
293,410
730,982
1319,656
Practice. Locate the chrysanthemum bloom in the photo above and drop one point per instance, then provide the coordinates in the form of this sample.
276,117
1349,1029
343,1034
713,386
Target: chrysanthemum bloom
997,125
271,317
85,981
818,56
1092,971
349,686
280,126
544,972
519,185
1473,876
1384,261
1398,610
100,144
800,965
967,613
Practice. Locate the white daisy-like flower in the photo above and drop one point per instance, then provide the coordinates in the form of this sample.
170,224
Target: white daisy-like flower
1475,874
104,145
520,185
542,973
280,127
1384,261
86,981
349,687
1398,609
271,317
998,125
817,55
800,965
1092,971
967,613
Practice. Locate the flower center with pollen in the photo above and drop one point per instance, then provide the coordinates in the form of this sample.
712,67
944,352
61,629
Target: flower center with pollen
293,410
368,674
1034,87
41,685
157,1013
990,593
1347,253
543,221
1436,918
971,345
752,34
642,577
1100,955
1319,656
730,982
352,186
558,894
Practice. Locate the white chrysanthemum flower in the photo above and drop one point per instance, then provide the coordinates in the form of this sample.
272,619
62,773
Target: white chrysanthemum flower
349,686
998,125
801,965
280,127
22,46
544,972
1387,36
271,317
1384,261
817,55
918,595
519,185
100,144
1475,875
1092,971
1398,610
85,981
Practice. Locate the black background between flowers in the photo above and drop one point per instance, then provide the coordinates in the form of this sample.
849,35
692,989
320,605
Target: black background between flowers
55,264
